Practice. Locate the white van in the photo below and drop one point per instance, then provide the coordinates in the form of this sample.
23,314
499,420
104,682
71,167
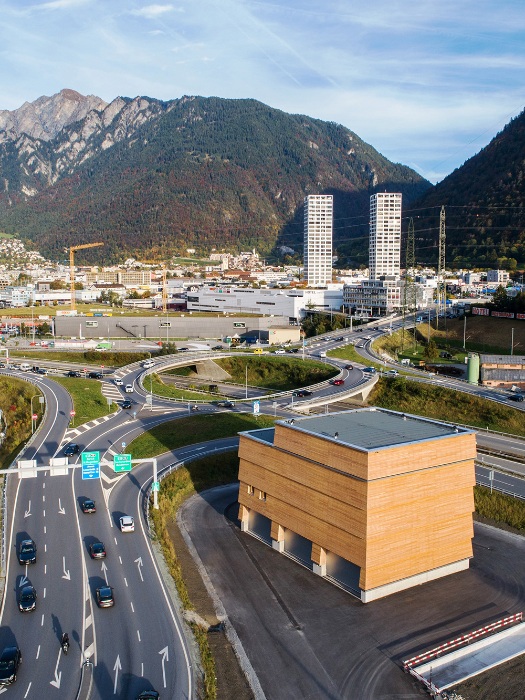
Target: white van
25,367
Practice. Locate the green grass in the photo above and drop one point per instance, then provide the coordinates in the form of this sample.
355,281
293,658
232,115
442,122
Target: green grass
348,352
187,431
437,402
276,373
88,401
500,507
172,392
107,359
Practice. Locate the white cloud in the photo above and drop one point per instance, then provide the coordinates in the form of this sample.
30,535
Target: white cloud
153,11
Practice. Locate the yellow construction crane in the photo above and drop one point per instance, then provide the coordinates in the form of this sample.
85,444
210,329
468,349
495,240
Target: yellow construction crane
164,284
72,266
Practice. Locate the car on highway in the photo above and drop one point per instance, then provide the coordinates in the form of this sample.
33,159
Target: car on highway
127,524
516,397
147,364
118,382
127,403
338,382
73,373
301,392
217,347
97,550
41,370
27,599
340,339
392,373
95,375
27,552
88,506
10,660
279,351
71,449
349,367
224,404
128,388
370,370
104,596
148,695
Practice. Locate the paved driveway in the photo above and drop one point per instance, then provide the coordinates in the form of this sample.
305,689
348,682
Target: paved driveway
306,638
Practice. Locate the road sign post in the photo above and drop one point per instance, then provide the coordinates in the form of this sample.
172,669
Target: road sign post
155,481
90,465
256,407
121,463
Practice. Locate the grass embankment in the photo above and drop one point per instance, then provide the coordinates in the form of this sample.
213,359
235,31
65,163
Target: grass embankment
168,391
276,373
89,357
348,352
432,401
500,507
88,401
15,403
196,476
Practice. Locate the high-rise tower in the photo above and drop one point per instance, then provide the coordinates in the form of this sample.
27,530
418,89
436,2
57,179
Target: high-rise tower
385,235
318,227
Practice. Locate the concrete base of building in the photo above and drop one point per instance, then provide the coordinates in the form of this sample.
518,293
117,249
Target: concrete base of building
411,581
245,526
319,570
278,545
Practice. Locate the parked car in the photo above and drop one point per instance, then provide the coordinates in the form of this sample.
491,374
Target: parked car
88,506
127,403
127,524
97,550
95,375
128,388
73,373
338,382
104,596
27,552
10,660
71,449
27,599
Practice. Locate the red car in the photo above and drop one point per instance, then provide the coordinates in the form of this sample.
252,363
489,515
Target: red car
338,382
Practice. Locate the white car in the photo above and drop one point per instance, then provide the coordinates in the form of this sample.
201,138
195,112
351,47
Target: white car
279,352
118,382
128,388
392,373
127,524
147,364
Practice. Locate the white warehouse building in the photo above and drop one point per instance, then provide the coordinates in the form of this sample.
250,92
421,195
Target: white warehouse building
290,304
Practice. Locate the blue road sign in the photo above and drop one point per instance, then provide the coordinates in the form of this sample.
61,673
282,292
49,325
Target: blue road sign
90,465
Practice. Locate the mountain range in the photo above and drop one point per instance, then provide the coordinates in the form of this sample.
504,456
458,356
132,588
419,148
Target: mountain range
151,178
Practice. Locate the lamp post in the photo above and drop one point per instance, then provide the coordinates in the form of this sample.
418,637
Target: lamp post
512,341
465,330
246,378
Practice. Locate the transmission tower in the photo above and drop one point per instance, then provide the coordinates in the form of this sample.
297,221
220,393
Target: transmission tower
409,288
441,286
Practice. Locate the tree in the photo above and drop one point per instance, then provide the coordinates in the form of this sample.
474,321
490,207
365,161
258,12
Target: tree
431,351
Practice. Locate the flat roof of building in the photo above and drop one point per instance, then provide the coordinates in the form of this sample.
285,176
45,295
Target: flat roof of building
503,359
370,429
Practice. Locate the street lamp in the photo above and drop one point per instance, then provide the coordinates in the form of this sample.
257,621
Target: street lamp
465,330
512,341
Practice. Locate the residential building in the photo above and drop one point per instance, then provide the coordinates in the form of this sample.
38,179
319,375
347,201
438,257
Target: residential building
375,500
318,229
498,276
385,235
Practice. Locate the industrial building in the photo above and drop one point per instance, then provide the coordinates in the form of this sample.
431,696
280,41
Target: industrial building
318,229
374,500
502,370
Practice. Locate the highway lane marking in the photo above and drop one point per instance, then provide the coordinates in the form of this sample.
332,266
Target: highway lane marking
45,547
117,667
44,497
88,620
44,513
28,511
165,657
66,573
43,484
142,669
120,558
38,651
132,608
116,541
58,674
104,570
45,529
42,622
28,689
61,510
44,592
45,568
139,565
126,581
138,635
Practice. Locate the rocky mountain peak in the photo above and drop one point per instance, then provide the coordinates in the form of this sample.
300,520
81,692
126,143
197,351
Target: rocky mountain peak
47,116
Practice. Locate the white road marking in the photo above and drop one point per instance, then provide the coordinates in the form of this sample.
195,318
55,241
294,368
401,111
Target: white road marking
116,541
44,592
44,485
138,635
45,568
42,623
45,548
44,513
132,608
45,529
120,559
44,497
126,581
28,689
38,651
142,669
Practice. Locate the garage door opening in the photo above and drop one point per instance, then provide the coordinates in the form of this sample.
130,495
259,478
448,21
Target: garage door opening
298,547
343,572
260,526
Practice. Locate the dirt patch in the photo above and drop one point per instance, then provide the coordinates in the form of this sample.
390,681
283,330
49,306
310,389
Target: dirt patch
481,333
505,682
231,681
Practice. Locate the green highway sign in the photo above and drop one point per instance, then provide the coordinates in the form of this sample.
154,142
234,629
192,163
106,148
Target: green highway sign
155,486
122,463
90,465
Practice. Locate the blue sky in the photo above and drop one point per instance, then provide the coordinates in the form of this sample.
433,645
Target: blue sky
427,83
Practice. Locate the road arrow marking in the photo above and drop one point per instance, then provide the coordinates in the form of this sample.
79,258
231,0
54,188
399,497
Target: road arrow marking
138,562
105,571
61,510
165,657
58,675
23,581
28,511
117,667
66,575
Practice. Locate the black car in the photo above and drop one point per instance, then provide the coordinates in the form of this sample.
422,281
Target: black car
127,403
217,347
41,370
27,599
225,404
516,397
148,695
27,552
302,392
104,596
71,449
97,550
88,506
10,660
73,373
95,375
